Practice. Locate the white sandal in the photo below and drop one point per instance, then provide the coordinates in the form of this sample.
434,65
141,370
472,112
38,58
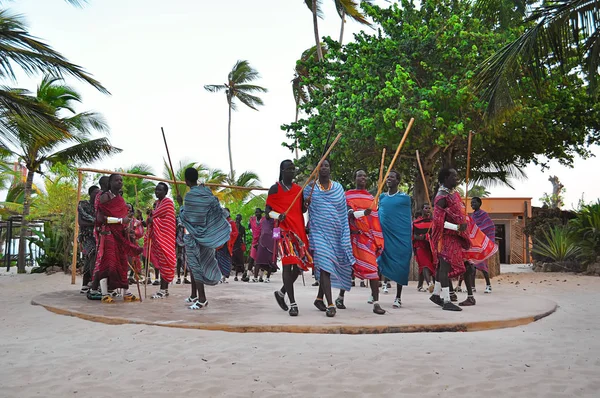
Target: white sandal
160,294
198,305
191,299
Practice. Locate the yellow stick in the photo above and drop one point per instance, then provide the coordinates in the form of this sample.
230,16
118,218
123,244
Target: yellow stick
468,172
76,232
381,167
412,120
153,178
315,170
424,181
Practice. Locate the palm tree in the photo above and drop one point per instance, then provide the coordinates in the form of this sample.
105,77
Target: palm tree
301,90
238,86
137,190
68,144
315,7
564,37
19,48
351,9
247,179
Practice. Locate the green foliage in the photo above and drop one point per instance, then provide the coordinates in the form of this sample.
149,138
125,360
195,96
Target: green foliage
247,210
422,64
53,242
587,227
559,244
137,191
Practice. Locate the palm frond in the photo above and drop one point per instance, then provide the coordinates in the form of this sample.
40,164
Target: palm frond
18,47
564,37
249,88
214,88
351,8
86,123
85,152
310,7
250,101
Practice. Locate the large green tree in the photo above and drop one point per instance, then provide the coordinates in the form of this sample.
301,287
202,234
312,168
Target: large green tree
238,87
422,64
69,143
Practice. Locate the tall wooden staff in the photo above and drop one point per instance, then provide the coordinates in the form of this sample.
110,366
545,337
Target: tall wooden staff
137,280
468,171
424,181
380,176
76,232
381,168
170,164
412,120
314,171
147,265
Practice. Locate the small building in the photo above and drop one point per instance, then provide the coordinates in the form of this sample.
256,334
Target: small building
509,216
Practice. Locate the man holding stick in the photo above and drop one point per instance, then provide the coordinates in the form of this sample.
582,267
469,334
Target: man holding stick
207,228
329,237
86,217
292,245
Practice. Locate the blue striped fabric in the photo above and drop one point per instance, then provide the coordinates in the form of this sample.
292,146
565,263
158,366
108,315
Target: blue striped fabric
207,228
329,234
224,260
396,223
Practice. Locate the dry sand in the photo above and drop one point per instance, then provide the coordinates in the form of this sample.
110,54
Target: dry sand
48,355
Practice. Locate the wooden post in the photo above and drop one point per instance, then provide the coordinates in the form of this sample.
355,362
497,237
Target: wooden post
468,172
424,181
525,216
76,232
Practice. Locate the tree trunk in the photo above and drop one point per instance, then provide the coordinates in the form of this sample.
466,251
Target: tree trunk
342,28
316,27
296,121
229,143
24,223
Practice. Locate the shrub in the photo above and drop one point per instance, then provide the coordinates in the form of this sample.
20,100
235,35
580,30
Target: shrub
559,244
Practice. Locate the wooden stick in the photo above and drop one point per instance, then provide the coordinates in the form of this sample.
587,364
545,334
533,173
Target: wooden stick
380,176
424,181
147,267
170,163
153,178
381,167
412,120
76,230
468,171
137,281
315,171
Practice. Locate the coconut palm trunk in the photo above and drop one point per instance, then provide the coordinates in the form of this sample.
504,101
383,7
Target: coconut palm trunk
316,28
229,142
343,16
24,222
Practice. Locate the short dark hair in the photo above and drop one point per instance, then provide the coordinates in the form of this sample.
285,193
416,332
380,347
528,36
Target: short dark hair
165,186
92,189
111,178
104,182
443,174
259,209
357,170
191,174
281,167
477,199
397,174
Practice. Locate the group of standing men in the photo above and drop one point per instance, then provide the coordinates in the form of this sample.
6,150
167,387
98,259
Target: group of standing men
349,234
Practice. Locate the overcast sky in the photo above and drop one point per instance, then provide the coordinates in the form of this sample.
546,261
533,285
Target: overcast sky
155,57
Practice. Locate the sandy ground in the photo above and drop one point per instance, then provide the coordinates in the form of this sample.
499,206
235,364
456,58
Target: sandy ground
47,355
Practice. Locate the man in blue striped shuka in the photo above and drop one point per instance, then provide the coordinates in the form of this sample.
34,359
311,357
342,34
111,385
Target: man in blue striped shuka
329,236
206,229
